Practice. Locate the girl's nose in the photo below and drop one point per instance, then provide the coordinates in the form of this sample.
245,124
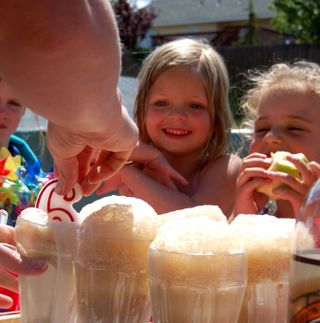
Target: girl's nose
273,137
177,112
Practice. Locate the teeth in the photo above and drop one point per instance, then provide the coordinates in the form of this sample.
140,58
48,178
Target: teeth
177,132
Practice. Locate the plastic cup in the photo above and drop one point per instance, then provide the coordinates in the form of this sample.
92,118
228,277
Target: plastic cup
47,297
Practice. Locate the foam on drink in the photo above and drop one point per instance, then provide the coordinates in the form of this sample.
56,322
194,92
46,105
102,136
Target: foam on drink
111,260
267,240
197,271
211,211
34,238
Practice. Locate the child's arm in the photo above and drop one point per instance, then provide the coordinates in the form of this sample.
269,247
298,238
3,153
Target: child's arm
144,156
216,186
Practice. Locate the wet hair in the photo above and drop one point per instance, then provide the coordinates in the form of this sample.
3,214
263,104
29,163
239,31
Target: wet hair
206,61
279,76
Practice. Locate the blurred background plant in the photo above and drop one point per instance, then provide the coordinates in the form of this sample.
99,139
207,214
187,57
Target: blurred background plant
300,18
134,19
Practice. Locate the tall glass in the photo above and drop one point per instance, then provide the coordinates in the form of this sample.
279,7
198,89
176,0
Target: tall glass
267,241
304,294
111,263
195,274
47,297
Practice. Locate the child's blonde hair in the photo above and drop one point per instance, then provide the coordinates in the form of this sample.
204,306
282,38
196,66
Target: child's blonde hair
282,75
209,64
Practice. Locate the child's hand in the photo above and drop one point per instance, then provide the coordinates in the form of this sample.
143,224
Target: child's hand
295,189
12,262
114,183
253,175
161,171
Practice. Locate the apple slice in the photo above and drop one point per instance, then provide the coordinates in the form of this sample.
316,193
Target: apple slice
279,163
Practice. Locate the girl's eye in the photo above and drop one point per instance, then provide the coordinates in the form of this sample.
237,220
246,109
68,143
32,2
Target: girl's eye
196,106
261,130
160,103
14,105
296,129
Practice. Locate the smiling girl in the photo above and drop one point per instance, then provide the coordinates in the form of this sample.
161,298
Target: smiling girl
182,110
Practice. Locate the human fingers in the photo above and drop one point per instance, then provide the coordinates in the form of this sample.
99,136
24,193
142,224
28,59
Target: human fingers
64,147
256,160
7,234
86,159
68,174
107,186
108,164
160,178
11,260
308,171
300,185
248,200
5,301
315,168
253,174
9,281
161,166
125,191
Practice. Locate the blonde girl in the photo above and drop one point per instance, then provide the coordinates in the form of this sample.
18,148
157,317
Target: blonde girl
283,107
182,110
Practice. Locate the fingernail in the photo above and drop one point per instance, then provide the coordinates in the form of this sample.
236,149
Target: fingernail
38,264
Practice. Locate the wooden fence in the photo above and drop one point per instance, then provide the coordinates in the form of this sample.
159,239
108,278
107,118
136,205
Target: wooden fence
243,58
239,59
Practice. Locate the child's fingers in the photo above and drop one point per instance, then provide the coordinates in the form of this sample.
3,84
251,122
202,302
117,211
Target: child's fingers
107,165
295,198
254,161
9,281
315,168
253,174
5,301
304,168
300,186
111,184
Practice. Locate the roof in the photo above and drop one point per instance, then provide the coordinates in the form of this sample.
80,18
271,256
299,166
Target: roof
188,12
128,86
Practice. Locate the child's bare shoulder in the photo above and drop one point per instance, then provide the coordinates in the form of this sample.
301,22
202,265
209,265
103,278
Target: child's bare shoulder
225,165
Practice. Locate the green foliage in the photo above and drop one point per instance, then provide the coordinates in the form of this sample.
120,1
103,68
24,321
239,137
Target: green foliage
251,35
300,18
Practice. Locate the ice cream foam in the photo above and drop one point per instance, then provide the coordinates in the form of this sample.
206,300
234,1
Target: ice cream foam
200,235
116,231
211,211
184,248
34,238
267,241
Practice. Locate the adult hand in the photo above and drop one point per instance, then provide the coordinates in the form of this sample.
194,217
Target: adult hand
90,158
